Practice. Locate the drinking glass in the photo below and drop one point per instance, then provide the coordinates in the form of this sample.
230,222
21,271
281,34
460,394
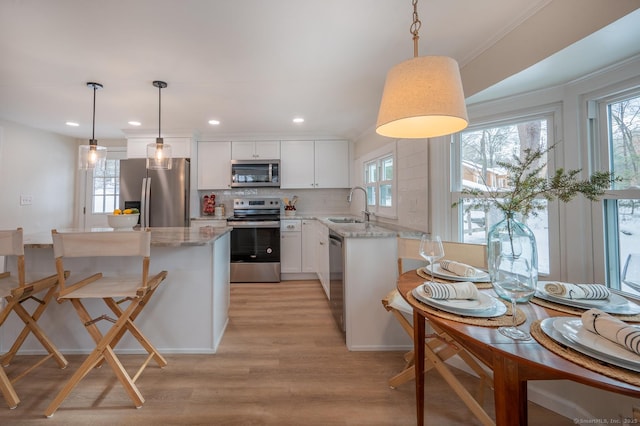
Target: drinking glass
515,278
631,272
431,249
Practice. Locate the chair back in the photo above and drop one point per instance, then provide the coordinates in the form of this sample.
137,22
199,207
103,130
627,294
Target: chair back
409,254
11,244
100,244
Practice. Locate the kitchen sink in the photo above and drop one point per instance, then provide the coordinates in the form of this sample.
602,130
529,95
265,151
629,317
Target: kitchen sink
344,220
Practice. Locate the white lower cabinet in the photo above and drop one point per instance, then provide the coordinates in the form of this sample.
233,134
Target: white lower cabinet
309,246
290,246
322,255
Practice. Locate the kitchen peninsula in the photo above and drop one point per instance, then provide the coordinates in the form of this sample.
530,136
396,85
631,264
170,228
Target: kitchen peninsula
187,314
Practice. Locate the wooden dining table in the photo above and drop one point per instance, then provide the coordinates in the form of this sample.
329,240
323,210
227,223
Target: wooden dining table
514,363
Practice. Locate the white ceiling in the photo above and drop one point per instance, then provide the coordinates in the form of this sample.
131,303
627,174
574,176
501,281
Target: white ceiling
251,64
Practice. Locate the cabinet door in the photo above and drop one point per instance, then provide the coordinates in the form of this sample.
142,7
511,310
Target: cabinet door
214,165
290,253
267,150
323,255
296,165
309,246
332,164
241,150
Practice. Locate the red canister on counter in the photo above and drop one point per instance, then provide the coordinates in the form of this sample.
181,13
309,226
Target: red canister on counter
208,204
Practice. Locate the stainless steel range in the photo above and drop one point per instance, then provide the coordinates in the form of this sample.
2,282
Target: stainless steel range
255,240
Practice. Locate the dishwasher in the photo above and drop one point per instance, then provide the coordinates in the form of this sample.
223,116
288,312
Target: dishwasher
336,279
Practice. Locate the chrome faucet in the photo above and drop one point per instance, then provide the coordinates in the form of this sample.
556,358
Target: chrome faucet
366,211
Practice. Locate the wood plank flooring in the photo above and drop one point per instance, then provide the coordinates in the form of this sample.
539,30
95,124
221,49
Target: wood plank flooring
282,361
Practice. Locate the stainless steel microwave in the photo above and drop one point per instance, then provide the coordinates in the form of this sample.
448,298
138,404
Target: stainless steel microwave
255,173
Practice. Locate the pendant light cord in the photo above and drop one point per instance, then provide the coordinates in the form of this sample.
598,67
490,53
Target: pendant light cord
415,27
159,111
93,130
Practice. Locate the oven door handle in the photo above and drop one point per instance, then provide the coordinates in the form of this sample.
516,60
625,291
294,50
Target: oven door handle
254,224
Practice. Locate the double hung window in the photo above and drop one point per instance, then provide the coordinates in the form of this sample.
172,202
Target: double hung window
619,142
379,182
476,153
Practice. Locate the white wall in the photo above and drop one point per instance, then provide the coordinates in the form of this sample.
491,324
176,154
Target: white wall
412,174
41,165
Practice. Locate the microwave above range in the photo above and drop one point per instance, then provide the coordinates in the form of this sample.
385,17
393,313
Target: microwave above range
255,173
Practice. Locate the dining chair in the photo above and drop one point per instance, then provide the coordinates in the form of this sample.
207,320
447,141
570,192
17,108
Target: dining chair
14,292
133,294
439,346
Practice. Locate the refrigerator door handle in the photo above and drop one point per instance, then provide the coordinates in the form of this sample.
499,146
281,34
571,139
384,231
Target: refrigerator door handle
144,203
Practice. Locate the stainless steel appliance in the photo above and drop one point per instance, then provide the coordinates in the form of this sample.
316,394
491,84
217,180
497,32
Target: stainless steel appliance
161,195
255,240
255,173
336,279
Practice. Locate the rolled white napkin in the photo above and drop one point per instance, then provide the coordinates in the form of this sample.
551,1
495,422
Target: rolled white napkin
458,268
577,291
611,328
461,290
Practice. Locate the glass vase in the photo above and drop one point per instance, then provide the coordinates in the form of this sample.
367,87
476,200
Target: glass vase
513,239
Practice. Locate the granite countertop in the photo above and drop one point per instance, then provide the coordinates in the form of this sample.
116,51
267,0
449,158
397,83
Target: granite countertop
360,229
160,237
347,230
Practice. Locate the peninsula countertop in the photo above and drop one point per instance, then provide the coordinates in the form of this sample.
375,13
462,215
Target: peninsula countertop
160,237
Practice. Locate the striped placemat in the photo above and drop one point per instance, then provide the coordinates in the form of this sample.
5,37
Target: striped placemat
505,319
583,360
578,311
422,274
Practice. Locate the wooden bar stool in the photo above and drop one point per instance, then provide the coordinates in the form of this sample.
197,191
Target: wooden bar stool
14,291
133,291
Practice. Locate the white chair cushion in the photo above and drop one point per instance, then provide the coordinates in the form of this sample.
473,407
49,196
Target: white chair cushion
124,286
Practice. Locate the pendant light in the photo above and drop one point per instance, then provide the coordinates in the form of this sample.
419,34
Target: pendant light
159,153
92,156
423,96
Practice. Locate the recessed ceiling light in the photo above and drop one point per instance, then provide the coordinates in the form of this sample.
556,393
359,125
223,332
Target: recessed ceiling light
135,123
214,122
298,120
72,124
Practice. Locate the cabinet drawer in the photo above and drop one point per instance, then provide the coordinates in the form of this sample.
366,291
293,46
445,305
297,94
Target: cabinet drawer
289,225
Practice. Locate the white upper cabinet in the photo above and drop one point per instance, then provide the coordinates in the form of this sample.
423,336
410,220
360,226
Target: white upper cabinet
214,165
314,164
296,164
180,146
332,164
255,150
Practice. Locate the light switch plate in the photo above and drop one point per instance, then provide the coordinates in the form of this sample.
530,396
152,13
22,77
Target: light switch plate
26,200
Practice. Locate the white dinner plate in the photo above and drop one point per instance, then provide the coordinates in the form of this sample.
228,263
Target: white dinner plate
614,304
570,332
440,272
484,306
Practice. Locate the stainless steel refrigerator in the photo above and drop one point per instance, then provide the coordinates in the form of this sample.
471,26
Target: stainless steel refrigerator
161,195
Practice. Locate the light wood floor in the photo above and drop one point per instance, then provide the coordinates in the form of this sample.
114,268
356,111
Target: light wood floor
282,361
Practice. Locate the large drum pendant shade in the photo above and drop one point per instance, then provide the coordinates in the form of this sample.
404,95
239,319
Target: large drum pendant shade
422,98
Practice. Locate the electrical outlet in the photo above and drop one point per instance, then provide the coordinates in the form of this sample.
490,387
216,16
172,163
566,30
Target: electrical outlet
26,200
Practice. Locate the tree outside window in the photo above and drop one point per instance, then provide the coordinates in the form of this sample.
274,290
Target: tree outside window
481,149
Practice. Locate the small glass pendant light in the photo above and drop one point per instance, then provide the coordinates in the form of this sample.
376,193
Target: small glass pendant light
92,156
159,153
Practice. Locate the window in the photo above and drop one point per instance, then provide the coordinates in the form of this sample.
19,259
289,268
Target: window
106,187
379,182
621,137
479,150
